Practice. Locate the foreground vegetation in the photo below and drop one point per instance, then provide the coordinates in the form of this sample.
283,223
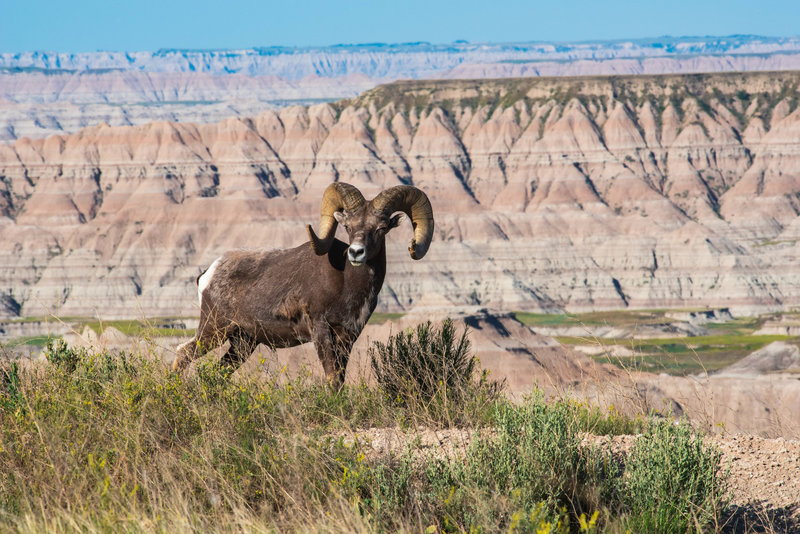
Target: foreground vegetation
116,442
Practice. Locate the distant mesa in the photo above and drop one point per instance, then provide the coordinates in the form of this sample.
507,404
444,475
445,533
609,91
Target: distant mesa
43,93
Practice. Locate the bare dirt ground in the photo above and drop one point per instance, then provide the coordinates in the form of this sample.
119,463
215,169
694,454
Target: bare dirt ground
764,474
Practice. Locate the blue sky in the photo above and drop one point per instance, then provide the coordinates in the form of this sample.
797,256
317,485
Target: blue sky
89,25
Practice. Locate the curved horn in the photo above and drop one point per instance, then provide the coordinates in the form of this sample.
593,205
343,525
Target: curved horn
416,205
337,197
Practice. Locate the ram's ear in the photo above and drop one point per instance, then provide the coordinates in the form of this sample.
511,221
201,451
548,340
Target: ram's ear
339,216
395,221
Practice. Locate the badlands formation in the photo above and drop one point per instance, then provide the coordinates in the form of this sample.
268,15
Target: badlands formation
573,193
418,59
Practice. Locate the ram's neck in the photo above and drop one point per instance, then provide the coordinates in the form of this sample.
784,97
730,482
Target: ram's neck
367,276
364,283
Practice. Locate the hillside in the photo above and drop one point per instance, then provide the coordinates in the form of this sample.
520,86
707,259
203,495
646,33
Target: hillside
568,193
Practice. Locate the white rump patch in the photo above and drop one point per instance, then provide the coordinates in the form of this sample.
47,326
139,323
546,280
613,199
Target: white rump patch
205,279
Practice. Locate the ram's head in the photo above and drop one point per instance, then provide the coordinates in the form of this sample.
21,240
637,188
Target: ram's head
368,222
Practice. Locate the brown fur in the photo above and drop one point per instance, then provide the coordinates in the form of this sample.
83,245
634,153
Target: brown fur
283,298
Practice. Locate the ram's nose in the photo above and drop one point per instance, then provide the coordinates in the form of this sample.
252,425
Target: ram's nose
356,254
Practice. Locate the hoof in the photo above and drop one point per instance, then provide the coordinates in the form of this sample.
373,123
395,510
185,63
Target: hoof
182,358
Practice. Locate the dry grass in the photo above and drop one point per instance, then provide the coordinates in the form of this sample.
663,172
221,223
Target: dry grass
116,442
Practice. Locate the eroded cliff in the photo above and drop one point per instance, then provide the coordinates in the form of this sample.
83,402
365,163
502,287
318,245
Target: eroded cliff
576,193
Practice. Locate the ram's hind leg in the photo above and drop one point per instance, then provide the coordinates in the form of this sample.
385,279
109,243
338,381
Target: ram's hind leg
187,352
242,346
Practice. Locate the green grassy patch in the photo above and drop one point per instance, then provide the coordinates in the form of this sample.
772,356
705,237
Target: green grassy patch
35,341
154,327
726,342
546,319
380,318
30,319
680,356
678,364
137,327
741,326
601,318
622,317
773,242
748,342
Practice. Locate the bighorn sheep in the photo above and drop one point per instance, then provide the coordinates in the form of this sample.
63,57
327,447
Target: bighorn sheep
283,298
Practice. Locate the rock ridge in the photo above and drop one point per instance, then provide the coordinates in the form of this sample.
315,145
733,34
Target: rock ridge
577,193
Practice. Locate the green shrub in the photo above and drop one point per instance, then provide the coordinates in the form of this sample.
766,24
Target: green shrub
11,398
529,473
213,377
673,481
432,372
62,356
423,360
530,469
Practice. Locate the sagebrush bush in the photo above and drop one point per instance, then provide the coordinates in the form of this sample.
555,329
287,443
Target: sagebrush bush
674,482
528,473
63,357
431,370
529,470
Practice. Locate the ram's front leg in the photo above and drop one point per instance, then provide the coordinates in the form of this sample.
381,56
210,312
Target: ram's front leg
333,353
193,349
184,355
